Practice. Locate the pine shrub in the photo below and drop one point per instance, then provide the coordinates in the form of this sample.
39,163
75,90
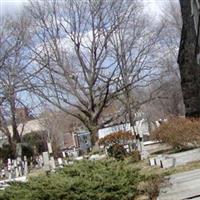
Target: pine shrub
87,180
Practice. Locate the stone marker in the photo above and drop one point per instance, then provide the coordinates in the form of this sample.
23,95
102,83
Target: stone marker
152,162
25,166
46,161
9,166
3,173
49,148
40,161
168,162
19,165
60,162
52,163
63,153
144,155
15,168
79,158
158,159
178,159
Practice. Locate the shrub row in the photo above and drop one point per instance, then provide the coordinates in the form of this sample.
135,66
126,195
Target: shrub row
180,133
87,180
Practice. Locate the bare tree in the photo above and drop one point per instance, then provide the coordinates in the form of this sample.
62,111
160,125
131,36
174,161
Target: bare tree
135,45
73,53
14,63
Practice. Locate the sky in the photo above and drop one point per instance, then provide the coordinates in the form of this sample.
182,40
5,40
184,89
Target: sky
11,6
14,6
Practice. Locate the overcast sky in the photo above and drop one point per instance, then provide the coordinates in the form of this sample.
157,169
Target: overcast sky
13,6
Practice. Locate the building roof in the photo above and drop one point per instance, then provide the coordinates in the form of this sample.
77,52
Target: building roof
34,125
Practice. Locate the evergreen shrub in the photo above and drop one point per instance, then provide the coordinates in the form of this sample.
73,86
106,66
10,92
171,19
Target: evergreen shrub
85,180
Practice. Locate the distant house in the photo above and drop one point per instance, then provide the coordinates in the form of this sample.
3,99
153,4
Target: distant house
27,127
77,143
141,127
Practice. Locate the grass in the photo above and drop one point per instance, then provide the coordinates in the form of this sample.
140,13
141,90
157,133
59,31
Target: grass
146,169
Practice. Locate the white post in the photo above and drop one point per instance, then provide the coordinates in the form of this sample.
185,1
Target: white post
16,168
52,163
40,161
25,166
46,161
19,164
9,169
60,162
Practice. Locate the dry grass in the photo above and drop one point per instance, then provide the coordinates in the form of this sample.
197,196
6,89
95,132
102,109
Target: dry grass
146,169
36,172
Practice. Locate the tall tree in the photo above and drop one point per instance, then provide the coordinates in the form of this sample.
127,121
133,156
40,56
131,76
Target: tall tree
134,46
189,68
73,52
14,63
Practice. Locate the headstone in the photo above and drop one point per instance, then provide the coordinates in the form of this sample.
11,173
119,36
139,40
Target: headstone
15,168
52,161
152,161
158,159
144,155
79,158
40,161
60,162
66,162
3,174
19,164
63,153
31,162
25,166
49,148
9,168
46,161
168,162
70,163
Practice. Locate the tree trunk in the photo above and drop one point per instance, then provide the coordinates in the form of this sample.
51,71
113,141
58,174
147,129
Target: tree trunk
189,69
12,147
16,136
94,137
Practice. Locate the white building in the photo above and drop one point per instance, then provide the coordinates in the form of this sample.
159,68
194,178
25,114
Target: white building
141,128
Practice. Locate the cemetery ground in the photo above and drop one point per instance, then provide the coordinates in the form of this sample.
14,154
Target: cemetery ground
107,179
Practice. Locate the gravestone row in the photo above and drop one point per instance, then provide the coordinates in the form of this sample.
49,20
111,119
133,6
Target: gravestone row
177,159
15,168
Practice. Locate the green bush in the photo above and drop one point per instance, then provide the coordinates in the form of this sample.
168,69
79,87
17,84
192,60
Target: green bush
86,180
5,152
117,151
35,140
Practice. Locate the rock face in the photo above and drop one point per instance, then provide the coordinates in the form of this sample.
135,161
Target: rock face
187,59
